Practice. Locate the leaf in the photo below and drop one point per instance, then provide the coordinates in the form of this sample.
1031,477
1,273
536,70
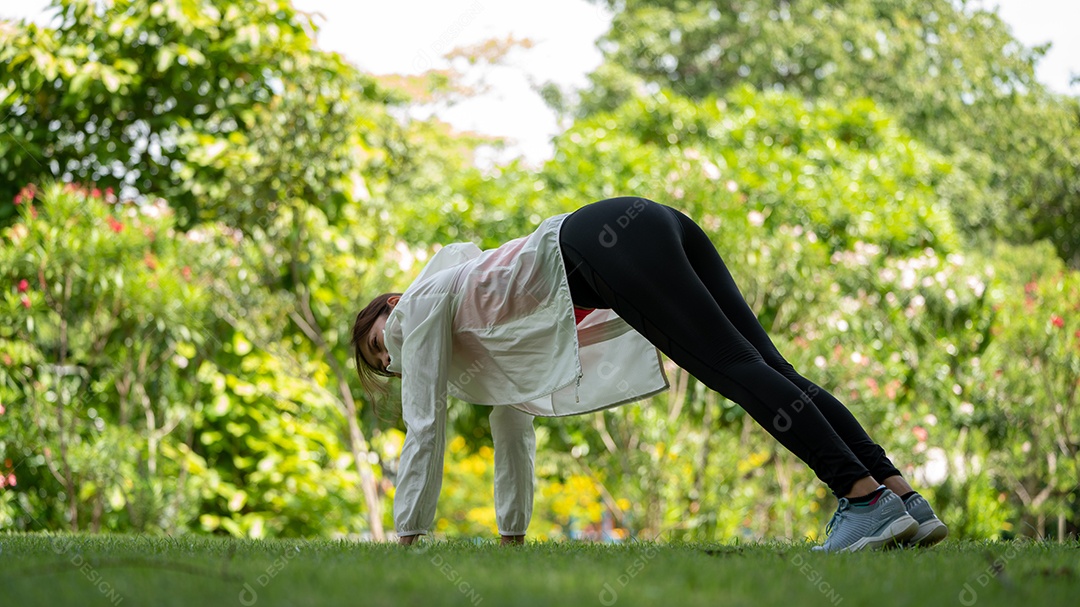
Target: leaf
111,80
164,58
79,83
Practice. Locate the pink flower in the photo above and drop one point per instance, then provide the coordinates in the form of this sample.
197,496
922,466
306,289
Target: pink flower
115,225
186,272
26,302
1057,321
920,433
11,479
2,410
24,285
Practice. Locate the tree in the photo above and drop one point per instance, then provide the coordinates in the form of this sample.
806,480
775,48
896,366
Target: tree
171,99
224,108
951,72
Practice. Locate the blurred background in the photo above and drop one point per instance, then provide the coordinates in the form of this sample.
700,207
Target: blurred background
197,196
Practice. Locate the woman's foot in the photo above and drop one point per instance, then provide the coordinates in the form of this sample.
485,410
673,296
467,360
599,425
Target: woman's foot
931,529
880,522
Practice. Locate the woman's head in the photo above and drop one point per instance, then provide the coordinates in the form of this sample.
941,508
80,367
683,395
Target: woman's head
367,341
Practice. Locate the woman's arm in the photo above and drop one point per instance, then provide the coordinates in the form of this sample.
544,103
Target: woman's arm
515,454
425,353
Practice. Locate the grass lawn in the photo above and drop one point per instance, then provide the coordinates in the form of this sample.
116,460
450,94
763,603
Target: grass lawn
199,571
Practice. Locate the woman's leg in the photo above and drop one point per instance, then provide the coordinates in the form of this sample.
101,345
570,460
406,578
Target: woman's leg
631,255
712,271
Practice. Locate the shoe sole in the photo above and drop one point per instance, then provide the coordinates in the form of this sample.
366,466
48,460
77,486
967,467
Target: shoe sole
929,533
900,530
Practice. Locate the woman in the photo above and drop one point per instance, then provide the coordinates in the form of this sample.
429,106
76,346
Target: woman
569,320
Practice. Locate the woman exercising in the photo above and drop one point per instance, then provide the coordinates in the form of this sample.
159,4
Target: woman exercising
568,320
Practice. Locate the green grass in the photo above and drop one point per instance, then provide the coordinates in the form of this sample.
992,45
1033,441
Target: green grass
126,570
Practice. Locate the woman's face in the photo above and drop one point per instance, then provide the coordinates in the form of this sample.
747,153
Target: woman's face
373,349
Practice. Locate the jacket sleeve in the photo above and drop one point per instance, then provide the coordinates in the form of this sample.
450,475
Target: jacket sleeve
425,352
515,456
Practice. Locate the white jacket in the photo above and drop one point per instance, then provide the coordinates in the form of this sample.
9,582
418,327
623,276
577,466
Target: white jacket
496,327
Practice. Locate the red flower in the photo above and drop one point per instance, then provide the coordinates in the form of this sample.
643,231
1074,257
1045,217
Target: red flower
186,272
26,194
1057,321
24,285
96,193
115,225
26,302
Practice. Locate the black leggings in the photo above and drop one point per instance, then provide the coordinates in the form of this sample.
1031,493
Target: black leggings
658,270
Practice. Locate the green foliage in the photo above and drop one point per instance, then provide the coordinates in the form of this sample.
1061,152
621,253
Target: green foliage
951,72
224,108
1037,368
132,401
844,171
178,361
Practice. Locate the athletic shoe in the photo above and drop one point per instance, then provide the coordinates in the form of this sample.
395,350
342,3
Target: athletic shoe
931,529
881,523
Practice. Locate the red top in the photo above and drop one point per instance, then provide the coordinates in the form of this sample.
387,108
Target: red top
581,313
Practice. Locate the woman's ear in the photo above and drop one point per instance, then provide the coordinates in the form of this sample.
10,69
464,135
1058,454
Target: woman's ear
393,300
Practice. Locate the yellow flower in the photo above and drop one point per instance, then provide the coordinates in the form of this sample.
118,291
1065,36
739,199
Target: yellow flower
457,444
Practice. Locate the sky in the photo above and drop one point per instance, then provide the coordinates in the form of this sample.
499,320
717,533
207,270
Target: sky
410,36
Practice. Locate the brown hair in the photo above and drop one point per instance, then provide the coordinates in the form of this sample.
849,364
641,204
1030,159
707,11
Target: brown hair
361,328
